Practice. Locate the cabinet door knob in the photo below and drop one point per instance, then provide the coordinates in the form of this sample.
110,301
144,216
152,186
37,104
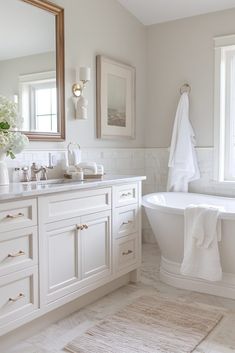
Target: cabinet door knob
125,253
85,226
79,227
19,296
19,253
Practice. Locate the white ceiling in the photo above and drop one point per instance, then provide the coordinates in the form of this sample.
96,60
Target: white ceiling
156,11
25,30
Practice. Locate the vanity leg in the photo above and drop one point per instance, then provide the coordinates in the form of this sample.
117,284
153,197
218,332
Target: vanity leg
135,276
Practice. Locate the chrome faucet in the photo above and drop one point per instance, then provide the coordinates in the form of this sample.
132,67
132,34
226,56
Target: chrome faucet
35,172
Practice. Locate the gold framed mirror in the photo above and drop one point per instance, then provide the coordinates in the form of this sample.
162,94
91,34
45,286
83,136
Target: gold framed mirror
32,65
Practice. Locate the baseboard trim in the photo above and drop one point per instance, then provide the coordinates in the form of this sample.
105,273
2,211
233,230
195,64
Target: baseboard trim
170,274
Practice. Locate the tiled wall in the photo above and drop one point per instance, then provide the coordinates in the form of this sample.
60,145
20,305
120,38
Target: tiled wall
41,158
151,162
156,170
115,161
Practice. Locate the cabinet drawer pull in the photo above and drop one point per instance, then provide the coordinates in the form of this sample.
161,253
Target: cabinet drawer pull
126,194
126,223
10,216
19,296
19,253
125,253
79,227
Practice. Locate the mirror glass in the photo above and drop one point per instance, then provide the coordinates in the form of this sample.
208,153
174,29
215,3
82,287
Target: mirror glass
28,68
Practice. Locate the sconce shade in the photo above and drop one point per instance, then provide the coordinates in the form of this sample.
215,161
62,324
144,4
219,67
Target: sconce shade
85,74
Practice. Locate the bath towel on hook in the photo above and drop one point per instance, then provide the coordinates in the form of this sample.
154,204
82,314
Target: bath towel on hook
183,166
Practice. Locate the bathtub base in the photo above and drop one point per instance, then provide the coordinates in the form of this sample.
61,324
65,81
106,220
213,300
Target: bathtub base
170,274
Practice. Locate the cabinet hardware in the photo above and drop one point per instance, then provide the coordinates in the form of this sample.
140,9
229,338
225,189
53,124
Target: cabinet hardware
19,296
79,227
126,223
9,216
126,194
125,253
19,253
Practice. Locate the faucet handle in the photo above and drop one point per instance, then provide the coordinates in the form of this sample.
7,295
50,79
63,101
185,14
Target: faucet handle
25,170
43,172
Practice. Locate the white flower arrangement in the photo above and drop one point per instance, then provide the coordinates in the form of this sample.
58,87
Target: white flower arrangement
11,141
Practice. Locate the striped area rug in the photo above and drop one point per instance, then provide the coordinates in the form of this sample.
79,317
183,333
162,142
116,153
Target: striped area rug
149,325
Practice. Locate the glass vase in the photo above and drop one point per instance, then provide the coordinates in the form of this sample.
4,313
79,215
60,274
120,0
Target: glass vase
4,175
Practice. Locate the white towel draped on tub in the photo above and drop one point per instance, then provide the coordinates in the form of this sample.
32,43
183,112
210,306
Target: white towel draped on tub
202,232
183,167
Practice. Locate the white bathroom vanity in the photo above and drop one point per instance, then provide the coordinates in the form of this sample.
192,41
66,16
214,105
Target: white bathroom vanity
60,240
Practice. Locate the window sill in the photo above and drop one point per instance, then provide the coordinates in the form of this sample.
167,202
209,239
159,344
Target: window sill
225,184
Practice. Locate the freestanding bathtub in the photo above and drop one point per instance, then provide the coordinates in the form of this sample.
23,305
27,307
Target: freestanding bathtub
165,212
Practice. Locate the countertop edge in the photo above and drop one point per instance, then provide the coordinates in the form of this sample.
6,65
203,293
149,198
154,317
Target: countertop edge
15,190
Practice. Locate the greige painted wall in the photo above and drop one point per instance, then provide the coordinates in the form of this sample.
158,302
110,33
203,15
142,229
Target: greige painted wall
11,69
169,54
182,51
101,27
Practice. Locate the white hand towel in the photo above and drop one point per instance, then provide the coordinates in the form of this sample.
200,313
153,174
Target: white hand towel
88,167
201,236
183,167
74,156
77,156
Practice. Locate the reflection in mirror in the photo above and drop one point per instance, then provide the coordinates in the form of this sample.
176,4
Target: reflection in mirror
37,101
28,64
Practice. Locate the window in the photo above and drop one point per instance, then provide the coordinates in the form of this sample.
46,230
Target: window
44,98
225,108
38,103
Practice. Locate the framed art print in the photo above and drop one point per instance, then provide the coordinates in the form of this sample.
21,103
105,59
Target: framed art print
115,99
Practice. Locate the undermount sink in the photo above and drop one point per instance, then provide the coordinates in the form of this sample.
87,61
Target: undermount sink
51,182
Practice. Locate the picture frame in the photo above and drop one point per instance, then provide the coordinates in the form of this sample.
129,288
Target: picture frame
115,99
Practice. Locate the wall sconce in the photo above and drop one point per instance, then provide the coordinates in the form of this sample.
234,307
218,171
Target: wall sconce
80,101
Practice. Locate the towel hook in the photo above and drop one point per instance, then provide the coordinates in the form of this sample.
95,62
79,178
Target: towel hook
185,88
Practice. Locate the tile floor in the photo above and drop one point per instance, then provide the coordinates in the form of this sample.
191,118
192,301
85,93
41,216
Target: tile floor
55,337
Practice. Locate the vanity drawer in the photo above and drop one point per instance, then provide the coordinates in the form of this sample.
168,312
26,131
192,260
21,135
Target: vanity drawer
69,205
18,214
18,250
125,194
18,295
127,251
126,221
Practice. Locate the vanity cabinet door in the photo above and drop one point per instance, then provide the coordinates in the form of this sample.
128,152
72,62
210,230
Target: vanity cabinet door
78,252
62,268
96,246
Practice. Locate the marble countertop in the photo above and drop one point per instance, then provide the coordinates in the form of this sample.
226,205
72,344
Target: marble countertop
19,190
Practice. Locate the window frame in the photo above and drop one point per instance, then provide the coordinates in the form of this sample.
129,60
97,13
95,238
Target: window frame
222,141
27,86
51,84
